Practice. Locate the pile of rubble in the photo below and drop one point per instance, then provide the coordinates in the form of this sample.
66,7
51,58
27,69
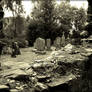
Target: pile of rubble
62,67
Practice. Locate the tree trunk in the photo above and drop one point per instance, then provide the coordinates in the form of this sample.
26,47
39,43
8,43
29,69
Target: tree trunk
1,21
89,10
89,13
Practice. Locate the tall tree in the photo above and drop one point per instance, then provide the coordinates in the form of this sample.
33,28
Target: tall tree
9,5
89,13
1,21
44,13
68,15
89,10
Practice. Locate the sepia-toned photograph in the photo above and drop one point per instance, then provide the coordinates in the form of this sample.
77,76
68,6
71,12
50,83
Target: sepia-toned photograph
45,45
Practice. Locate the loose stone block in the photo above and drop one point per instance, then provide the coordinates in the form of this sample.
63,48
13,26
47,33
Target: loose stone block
41,87
84,43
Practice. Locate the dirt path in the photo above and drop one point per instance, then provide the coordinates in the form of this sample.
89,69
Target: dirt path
26,57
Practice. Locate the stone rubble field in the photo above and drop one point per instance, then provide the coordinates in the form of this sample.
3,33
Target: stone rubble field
32,72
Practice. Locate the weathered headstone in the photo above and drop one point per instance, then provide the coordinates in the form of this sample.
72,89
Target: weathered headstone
48,44
39,44
4,50
9,50
63,40
57,43
26,43
58,39
67,40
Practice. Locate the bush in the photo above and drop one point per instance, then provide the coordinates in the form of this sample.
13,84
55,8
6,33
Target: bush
21,42
6,41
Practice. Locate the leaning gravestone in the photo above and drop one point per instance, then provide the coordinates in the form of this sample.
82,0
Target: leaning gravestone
57,43
39,44
48,44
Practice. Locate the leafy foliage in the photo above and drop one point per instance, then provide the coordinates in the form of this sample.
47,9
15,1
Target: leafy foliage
68,14
89,13
47,19
17,29
50,20
9,4
43,22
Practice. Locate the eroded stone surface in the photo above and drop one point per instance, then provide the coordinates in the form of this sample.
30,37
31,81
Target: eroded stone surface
59,68
39,44
48,44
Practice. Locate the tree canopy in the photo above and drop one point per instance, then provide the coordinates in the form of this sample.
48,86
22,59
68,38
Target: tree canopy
49,20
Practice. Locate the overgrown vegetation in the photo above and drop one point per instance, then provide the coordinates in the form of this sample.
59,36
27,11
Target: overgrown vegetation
50,20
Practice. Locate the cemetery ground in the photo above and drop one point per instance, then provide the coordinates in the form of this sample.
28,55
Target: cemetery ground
33,72
27,56
23,61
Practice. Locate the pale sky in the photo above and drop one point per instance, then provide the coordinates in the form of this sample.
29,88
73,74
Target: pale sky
28,5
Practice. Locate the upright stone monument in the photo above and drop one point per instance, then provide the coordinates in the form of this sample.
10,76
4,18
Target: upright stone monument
48,44
58,40
57,43
26,43
68,40
39,44
63,40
